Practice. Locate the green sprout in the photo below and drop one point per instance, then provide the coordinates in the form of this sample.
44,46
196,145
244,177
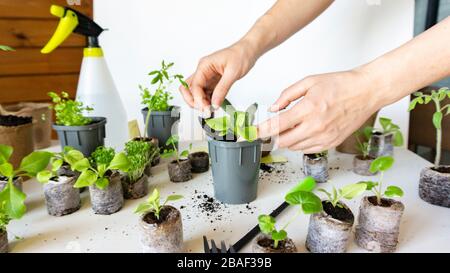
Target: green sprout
363,146
347,192
172,141
68,112
153,203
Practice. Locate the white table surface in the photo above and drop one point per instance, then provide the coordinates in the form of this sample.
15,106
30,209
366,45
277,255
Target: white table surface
424,227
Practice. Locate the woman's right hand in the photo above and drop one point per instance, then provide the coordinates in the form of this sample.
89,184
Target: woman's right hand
215,75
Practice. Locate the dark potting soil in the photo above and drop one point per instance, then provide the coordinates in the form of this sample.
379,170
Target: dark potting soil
342,214
10,120
361,157
267,242
266,168
312,156
442,169
384,202
150,217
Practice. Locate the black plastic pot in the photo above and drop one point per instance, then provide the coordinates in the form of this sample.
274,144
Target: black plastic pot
84,138
434,186
317,167
199,162
163,235
134,190
180,171
161,124
109,200
264,244
3,241
381,145
17,182
361,165
330,230
235,170
61,197
378,226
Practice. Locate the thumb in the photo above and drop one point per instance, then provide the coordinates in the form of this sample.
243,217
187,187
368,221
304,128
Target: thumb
222,88
291,94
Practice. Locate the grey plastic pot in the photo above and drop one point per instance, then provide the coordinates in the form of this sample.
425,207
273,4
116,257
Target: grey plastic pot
235,170
17,182
199,162
61,197
84,138
361,165
378,226
162,123
164,235
326,232
317,167
108,200
263,244
134,190
434,186
3,241
381,145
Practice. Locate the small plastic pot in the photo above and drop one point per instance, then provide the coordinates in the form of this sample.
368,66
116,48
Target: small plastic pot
161,124
3,241
180,171
17,182
199,162
109,200
434,186
264,244
330,230
361,165
163,235
381,145
84,138
61,197
17,132
134,190
235,170
317,167
378,225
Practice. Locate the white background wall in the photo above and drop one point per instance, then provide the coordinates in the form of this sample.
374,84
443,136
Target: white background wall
143,32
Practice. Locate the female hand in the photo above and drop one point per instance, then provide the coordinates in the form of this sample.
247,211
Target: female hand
331,107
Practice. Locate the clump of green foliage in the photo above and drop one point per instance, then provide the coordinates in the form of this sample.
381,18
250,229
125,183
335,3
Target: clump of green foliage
437,97
382,164
69,112
172,142
301,195
138,153
153,203
102,155
347,192
238,123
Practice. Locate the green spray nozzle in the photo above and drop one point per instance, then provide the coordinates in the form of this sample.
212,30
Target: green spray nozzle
72,21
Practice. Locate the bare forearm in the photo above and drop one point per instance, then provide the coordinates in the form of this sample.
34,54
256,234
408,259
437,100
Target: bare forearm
418,63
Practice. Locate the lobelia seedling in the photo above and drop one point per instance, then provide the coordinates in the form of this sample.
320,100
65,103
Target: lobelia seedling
96,170
347,192
153,203
172,141
11,197
382,164
69,112
437,97
138,153
159,100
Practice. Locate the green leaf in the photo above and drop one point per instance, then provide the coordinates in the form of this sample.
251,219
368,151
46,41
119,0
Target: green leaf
279,235
168,153
102,183
385,123
87,178
398,138
369,184
35,162
427,99
382,163
239,118
56,164
437,120
73,156
44,176
120,162
184,153
5,153
326,193
308,201
13,201
266,223
219,124
352,190
249,133
173,197
6,169
154,197
82,165
393,191
143,208
307,184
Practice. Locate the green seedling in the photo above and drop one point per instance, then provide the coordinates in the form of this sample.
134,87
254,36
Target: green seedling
172,142
69,112
382,164
12,198
138,153
69,155
153,203
347,192
437,97
363,146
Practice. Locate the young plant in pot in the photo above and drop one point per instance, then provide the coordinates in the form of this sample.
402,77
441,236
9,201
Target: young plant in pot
180,168
330,230
199,161
135,180
379,215
382,141
159,115
316,165
234,163
276,241
362,160
82,133
434,184
101,175
160,225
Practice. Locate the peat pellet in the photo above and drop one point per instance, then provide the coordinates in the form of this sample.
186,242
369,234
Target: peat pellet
61,197
108,200
317,167
434,186
264,244
180,171
199,162
134,190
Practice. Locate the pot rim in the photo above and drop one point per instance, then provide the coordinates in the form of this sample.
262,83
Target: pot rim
328,218
68,180
164,222
164,113
431,169
235,145
396,204
97,122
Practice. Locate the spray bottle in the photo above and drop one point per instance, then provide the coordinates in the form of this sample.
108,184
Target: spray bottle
95,85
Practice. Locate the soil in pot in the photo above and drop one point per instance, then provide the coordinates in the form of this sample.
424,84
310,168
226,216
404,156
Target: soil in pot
378,225
11,121
17,182
134,190
110,199
264,244
434,185
361,165
199,162
61,197
180,171
17,132
317,167
163,235
3,241
330,230
381,145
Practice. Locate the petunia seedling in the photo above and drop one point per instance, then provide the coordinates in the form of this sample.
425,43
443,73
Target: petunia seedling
382,164
347,192
67,111
153,203
69,156
172,142
267,226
